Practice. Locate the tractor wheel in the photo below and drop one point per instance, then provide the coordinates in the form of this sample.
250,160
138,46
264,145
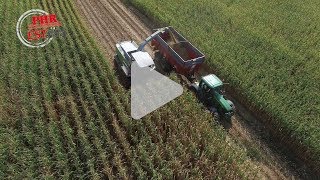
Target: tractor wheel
215,113
193,89
232,105
216,116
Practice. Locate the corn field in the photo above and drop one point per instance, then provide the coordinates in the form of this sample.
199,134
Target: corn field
268,51
64,115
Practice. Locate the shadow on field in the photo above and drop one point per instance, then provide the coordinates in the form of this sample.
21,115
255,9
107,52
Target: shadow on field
123,80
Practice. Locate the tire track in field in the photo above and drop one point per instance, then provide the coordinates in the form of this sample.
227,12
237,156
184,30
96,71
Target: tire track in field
124,13
111,22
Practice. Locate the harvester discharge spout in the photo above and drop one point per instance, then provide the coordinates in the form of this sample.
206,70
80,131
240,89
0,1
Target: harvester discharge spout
151,37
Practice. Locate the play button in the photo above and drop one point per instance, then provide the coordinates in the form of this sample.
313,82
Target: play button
150,90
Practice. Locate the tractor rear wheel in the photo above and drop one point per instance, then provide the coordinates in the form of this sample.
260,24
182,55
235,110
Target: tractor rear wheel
216,116
167,68
194,89
215,113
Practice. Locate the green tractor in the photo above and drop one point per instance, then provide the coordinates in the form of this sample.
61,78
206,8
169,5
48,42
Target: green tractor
209,92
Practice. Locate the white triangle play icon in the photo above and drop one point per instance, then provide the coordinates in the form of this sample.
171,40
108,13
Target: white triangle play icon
150,90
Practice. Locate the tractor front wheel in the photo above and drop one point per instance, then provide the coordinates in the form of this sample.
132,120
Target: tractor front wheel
232,105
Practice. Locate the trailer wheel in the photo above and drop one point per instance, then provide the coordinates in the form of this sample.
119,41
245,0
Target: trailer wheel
167,68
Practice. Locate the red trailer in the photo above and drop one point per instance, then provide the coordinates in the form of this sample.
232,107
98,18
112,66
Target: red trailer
178,52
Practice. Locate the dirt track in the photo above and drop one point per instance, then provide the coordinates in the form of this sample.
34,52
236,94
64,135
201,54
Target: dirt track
111,21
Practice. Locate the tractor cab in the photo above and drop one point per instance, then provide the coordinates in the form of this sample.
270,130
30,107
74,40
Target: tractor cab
210,91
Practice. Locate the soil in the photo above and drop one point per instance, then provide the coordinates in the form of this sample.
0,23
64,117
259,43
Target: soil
112,21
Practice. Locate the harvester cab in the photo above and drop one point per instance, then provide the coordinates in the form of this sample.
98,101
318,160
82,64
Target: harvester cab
129,51
209,92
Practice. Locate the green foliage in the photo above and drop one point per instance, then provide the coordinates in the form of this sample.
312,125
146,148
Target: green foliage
267,50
